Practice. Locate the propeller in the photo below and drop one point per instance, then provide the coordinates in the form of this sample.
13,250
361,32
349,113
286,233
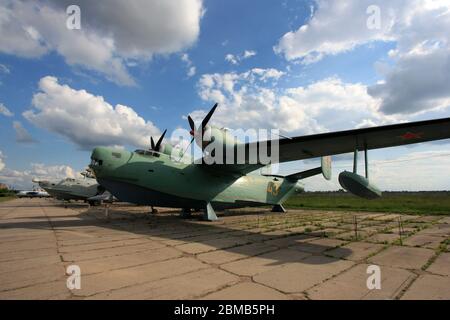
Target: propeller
202,127
156,146
204,122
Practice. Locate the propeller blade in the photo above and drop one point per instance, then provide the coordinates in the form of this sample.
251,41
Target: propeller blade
208,116
191,123
158,144
152,143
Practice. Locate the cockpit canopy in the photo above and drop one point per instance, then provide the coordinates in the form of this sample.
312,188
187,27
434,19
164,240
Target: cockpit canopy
148,153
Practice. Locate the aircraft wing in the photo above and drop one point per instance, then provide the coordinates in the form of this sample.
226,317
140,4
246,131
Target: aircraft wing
332,143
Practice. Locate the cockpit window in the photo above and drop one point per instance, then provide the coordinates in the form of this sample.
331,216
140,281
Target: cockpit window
146,153
95,162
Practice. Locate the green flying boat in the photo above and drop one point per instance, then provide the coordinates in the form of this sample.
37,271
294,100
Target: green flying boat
155,177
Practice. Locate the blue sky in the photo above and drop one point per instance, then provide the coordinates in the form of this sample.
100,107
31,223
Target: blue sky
349,85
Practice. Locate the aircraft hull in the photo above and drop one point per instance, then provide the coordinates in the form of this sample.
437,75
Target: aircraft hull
159,181
64,195
132,193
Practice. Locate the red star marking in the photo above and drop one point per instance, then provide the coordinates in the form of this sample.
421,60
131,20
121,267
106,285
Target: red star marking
411,135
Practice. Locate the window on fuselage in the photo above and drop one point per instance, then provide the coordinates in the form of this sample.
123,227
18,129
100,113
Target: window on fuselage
146,153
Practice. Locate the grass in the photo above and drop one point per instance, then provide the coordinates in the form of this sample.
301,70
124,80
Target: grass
396,202
2,199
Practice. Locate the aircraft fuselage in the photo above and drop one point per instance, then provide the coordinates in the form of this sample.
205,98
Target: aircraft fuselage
160,181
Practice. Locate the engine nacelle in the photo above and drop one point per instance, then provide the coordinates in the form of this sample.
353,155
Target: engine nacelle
220,136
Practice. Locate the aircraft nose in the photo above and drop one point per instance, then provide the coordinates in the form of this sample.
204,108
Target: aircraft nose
104,159
97,157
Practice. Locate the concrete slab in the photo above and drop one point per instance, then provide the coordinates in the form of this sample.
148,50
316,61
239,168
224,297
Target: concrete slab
30,263
101,245
441,265
423,240
105,264
350,235
246,291
194,248
134,255
26,254
445,220
300,276
36,243
29,277
352,285
187,286
358,251
384,238
219,257
403,257
387,217
427,219
255,265
429,287
109,252
291,240
441,229
40,291
318,245
121,278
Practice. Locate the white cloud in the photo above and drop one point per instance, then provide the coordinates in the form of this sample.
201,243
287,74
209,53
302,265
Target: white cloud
110,34
249,100
5,111
23,179
85,119
4,69
22,135
419,79
338,26
231,58
191,70
236,59
417,83
248,53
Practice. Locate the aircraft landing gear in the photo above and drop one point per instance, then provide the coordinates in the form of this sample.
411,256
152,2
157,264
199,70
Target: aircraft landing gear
107,211
185,213
278,208
153,210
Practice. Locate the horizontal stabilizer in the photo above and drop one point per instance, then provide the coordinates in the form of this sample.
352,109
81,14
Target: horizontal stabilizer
324,169
304,174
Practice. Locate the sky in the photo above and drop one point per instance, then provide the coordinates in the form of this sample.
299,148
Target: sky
117,72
